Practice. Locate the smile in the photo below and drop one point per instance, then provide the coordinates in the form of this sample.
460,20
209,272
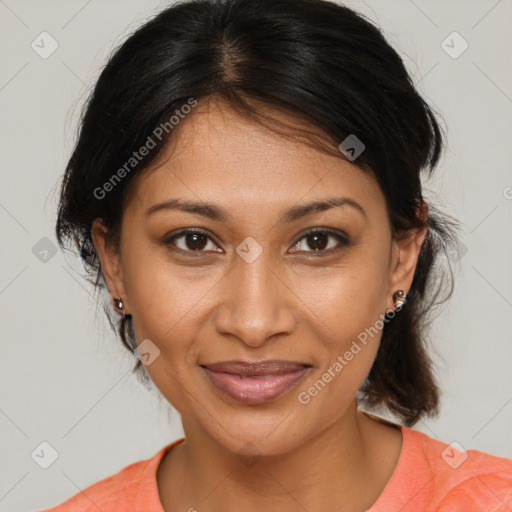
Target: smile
255,383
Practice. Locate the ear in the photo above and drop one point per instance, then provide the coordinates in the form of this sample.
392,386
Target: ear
110,260
405,256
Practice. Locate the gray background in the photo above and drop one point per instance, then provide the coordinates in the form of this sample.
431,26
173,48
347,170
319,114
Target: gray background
66,380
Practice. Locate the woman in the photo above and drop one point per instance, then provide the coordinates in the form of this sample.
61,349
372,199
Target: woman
246,185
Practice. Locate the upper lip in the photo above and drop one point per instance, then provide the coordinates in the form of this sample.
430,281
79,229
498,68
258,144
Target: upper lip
268,367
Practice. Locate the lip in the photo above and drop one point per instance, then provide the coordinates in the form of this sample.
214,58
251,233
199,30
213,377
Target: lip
255,382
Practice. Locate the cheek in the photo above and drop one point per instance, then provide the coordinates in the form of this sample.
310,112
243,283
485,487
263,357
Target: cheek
334,387
350,315
165,308
162,295
347,310
170,306
346,298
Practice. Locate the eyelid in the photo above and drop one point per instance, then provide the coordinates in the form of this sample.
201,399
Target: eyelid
330,231
185,231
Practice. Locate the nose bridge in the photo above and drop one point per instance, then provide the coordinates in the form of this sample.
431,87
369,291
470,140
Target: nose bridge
255,303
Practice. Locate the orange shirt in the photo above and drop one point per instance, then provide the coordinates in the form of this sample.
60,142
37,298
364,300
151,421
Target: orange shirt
430,476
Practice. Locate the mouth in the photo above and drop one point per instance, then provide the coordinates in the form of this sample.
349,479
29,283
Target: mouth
255,382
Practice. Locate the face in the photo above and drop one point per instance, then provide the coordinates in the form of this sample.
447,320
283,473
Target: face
256,276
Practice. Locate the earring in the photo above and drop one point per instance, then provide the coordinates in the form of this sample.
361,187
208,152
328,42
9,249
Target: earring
119,303
399,299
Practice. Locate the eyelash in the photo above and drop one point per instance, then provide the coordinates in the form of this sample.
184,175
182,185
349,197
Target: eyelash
343,240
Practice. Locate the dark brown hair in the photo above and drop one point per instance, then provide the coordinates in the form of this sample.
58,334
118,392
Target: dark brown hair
319,61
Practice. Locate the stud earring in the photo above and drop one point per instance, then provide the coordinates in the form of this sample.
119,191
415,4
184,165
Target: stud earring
119,303
399,298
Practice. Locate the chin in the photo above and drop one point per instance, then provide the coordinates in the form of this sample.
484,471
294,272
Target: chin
259,436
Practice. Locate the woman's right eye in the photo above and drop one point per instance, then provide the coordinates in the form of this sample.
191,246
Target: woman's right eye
191,240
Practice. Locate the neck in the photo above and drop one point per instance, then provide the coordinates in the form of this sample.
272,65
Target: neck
347,465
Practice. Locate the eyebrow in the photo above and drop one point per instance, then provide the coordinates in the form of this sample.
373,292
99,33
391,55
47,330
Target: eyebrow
213,212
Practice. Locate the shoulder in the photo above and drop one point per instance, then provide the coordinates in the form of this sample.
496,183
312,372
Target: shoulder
105,494
120,491
465,480
436,476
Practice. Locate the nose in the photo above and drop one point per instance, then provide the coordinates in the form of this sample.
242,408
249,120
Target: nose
256,302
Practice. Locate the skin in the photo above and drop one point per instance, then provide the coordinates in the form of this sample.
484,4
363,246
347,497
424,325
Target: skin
289,303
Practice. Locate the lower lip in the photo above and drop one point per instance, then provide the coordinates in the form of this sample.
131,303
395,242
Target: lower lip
255,390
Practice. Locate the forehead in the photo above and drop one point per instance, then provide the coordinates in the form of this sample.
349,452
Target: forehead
217,155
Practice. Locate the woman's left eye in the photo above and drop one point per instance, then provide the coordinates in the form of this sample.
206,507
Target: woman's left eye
318,241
